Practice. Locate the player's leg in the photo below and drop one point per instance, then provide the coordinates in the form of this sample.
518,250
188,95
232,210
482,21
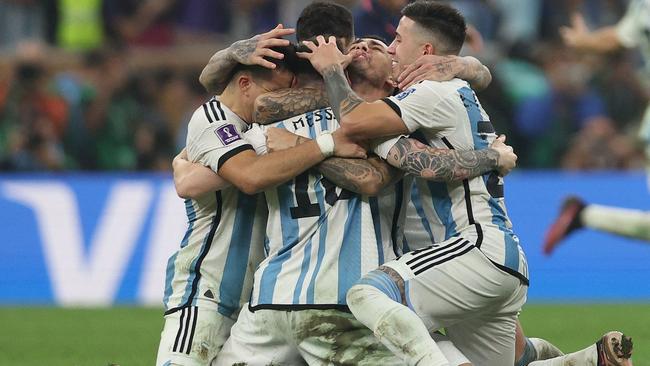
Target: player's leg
396,326
334,337
488,336
259,338
613,349
192,336
528,350
575,214
444,294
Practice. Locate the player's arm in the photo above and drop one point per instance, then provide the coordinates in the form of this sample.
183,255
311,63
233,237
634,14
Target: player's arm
443,68
363,176
216,74
282,104
578,36
251,173
436,164
193,180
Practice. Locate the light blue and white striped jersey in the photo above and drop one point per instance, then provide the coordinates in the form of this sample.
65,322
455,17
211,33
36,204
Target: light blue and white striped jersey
633,30
224,241
448,115
321,239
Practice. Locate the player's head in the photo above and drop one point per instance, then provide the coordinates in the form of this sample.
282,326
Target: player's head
427,27
325,19
373,66
249,81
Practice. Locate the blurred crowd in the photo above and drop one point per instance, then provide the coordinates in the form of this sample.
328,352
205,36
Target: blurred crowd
110,84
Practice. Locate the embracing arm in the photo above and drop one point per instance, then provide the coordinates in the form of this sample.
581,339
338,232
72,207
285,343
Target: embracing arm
252,51
436,164
443,68
363,176
282,104
193,180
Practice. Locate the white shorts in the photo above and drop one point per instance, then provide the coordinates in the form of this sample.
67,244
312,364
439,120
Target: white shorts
471,298
310,337
192,336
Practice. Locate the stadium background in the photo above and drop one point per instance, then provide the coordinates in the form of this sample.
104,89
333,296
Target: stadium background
94,97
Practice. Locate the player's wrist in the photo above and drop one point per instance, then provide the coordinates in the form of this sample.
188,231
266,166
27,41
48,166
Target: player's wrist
325,143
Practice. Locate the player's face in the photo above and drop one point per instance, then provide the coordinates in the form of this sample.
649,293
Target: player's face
373,63
406,46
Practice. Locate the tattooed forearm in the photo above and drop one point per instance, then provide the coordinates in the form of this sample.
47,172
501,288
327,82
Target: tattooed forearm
217,72
363,176
477,74
342,98
214,76
441,164
283,104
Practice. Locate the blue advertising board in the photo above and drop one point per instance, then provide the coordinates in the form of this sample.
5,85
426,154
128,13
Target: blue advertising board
102,239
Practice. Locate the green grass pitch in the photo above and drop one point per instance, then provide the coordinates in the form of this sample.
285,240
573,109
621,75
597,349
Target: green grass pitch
129,336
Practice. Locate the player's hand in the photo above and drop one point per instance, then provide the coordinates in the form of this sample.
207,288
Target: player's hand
253,50
507,157
344,147
574,35
326,54
430,67
280,139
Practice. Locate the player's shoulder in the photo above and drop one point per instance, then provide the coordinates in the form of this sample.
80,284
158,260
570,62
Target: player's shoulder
432,91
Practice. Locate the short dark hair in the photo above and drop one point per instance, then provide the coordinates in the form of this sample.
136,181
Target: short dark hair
326,19
444,22
258,72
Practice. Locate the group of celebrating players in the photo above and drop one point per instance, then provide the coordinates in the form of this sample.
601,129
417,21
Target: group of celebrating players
298,176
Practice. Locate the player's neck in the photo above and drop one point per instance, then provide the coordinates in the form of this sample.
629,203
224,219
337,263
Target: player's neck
369,92
237,104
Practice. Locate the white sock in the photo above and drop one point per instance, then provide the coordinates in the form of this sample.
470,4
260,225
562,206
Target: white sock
626,222
545,349
396,326
585,357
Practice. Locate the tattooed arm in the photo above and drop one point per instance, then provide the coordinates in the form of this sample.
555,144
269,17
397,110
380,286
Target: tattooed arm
216,74
364,176
436,164
285,103
443,68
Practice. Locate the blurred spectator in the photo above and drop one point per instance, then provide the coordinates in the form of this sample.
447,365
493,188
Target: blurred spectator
378,17
144,23
32,117
21,20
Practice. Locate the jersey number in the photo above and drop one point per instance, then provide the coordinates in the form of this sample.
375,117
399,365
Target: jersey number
305,208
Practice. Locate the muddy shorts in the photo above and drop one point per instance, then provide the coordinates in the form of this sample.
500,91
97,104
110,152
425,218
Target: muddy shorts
309,337
192,336
473,300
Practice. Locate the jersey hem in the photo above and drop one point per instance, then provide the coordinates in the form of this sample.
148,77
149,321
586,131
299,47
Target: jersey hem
298,307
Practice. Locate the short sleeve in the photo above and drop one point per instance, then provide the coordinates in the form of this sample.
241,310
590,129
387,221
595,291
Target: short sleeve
630,28
213,145
382,148
257,138
417,105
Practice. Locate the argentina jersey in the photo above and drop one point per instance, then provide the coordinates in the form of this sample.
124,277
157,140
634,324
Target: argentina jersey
448,115
320,238
224,240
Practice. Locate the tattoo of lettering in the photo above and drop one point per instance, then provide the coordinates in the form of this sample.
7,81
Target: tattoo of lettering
441,164
342,98
283,104
354,174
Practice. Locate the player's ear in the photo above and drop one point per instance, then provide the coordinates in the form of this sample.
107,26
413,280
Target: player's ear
244,82
428,49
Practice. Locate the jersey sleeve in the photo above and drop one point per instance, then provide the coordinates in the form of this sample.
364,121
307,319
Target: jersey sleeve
417,105
383,147
212,144
257,138
630,29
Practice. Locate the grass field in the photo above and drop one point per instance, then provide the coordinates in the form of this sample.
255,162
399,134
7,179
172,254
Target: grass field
129,336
